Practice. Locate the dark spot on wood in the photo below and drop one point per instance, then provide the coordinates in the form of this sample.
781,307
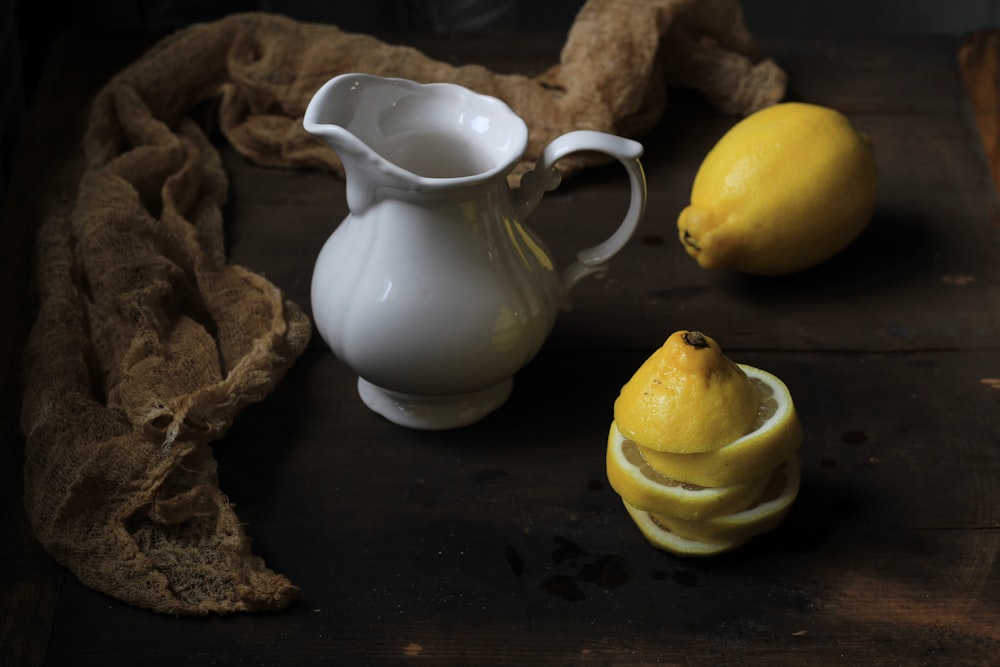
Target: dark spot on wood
854,437
685,577
514,560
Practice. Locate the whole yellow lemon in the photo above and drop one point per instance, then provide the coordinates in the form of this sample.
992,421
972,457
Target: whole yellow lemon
785,189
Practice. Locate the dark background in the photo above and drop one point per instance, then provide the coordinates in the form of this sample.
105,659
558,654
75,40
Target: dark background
28,28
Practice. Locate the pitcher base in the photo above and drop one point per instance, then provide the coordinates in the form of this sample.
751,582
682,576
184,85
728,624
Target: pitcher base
434,412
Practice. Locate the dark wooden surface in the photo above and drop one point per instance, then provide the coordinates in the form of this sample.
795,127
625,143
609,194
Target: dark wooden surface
502,542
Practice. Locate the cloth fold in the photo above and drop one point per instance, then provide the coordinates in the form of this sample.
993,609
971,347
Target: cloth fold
148,343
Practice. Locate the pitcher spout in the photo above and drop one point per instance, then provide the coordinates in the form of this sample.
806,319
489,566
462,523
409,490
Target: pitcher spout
401,135
363,168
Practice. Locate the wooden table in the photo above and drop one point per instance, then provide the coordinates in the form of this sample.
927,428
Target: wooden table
503,542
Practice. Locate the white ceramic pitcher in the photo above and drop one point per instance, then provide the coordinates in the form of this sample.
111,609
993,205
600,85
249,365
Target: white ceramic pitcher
433,289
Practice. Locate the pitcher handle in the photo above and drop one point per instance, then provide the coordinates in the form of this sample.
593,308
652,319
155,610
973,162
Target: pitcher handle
545,177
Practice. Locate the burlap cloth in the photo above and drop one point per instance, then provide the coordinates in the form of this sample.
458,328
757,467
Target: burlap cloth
147,342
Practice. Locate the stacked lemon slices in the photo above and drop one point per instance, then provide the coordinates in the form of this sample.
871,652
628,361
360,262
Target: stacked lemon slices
703,451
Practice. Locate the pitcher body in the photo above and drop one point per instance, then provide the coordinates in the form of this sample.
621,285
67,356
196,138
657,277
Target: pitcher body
439,296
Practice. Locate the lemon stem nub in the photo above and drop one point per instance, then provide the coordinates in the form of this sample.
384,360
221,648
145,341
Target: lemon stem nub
689,240
695,339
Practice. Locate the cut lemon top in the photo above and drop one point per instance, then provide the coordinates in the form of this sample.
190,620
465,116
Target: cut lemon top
686,397
777,435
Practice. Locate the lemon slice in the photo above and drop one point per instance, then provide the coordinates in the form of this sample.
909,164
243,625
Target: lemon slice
761,517
776,436
663,538
642,487
721,534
